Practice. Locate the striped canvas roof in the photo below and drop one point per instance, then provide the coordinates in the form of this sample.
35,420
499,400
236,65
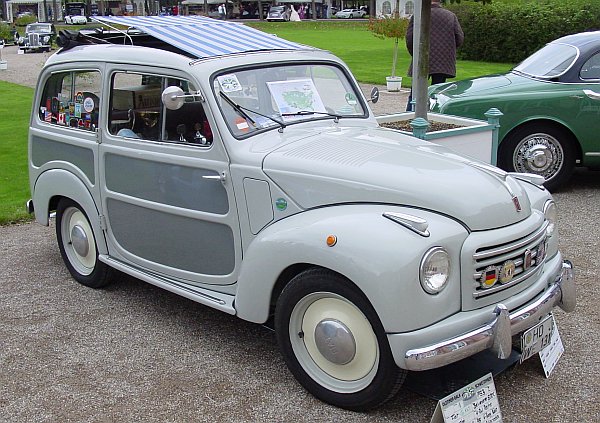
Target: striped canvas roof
202,36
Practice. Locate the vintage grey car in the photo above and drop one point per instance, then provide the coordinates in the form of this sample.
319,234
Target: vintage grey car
38,37
249,174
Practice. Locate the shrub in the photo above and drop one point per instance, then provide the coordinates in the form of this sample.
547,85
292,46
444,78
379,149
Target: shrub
4,31
509,32
25,20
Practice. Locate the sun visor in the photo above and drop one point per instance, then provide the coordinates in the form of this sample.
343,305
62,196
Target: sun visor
201,36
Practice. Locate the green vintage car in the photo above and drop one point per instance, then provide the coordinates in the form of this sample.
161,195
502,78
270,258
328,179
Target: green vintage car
551,106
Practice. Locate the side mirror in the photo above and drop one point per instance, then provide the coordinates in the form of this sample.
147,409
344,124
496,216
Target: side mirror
173,98
374,95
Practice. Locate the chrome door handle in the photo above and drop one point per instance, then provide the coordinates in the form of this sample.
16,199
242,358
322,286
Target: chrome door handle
221,177
592,94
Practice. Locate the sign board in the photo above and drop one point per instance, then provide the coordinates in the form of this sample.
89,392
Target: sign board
552,353
475,403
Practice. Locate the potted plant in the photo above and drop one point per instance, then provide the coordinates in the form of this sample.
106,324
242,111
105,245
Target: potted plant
390,27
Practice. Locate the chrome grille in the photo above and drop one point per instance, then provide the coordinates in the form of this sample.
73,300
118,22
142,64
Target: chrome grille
34,40
522,256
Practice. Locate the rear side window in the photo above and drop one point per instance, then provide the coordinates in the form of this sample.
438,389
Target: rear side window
72,99
591,68
136,111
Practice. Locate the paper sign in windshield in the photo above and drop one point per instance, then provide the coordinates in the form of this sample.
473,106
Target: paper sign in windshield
296,96
229,83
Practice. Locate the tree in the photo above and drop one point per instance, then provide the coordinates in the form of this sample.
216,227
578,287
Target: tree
390,27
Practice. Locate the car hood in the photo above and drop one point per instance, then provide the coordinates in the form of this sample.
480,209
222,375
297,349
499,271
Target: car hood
485,85
376,165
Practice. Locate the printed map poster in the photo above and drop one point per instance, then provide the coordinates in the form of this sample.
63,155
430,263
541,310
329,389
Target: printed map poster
299,95
475,403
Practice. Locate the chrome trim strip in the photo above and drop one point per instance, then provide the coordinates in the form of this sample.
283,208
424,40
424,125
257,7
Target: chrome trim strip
495,335
503,250
593,154
414,223
191,292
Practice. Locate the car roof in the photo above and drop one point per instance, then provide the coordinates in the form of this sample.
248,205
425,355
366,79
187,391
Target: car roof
583,39
202,37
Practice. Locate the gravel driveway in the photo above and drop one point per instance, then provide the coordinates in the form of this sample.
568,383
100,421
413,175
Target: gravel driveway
133,352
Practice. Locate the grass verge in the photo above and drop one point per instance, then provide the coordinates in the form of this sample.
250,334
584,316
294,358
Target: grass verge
15,109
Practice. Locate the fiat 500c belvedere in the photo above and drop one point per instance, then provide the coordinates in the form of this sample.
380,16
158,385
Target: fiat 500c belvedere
248,173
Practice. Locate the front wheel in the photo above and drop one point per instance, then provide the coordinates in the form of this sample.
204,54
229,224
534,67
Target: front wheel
77,245
333,342
540,149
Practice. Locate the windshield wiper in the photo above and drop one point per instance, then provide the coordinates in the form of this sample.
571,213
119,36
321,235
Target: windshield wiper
311,112
242,111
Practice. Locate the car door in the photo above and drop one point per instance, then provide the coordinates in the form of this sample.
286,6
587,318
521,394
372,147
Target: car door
167,198
588,115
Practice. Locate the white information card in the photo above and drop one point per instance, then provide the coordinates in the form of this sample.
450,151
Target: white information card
475,403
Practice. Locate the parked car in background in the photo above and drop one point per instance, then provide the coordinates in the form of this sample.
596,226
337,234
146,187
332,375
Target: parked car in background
279,13
350,13
38,37
75,20
551,107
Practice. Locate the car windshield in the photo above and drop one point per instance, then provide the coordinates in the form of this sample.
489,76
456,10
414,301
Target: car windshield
551,61
276,9
255,100
37,28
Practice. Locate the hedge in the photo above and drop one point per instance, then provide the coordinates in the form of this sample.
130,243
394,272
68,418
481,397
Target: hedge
509,32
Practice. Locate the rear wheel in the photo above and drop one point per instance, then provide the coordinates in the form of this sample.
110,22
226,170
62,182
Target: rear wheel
78,246
334,343
542,149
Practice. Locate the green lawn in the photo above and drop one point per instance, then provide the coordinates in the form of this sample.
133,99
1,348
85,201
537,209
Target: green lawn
369,58
15,109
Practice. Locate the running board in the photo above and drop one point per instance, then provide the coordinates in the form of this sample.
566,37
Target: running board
223,302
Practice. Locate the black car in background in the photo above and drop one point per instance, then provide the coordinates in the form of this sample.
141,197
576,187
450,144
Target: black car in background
38,37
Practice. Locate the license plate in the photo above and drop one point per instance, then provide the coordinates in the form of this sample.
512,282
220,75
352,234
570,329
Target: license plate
537,338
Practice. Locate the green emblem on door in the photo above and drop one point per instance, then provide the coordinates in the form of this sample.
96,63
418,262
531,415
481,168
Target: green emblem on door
281,204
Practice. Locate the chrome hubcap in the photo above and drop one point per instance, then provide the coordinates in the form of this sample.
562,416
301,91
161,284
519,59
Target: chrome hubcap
335,341
80,241
541,154
539,158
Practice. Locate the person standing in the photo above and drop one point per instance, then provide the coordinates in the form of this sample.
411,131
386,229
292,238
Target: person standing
222,11
445,37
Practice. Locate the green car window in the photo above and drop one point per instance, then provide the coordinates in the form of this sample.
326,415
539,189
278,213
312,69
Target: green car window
549,62
591,68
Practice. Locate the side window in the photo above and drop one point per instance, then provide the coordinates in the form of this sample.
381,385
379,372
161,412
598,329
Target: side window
136,111
72,99
591,68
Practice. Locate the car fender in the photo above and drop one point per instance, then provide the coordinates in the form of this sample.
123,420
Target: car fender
62,183
379,256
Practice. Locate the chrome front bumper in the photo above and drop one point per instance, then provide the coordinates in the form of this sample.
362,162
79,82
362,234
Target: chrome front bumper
497,335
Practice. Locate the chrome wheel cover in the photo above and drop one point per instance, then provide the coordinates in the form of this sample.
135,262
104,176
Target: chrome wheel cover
334,342
539,153
78,241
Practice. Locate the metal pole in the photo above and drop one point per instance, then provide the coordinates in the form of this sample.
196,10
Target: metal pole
422,63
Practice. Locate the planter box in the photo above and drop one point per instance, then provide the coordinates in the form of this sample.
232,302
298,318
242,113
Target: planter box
475,138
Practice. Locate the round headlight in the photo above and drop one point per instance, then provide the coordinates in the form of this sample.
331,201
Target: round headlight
46,39
551,214
435,270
